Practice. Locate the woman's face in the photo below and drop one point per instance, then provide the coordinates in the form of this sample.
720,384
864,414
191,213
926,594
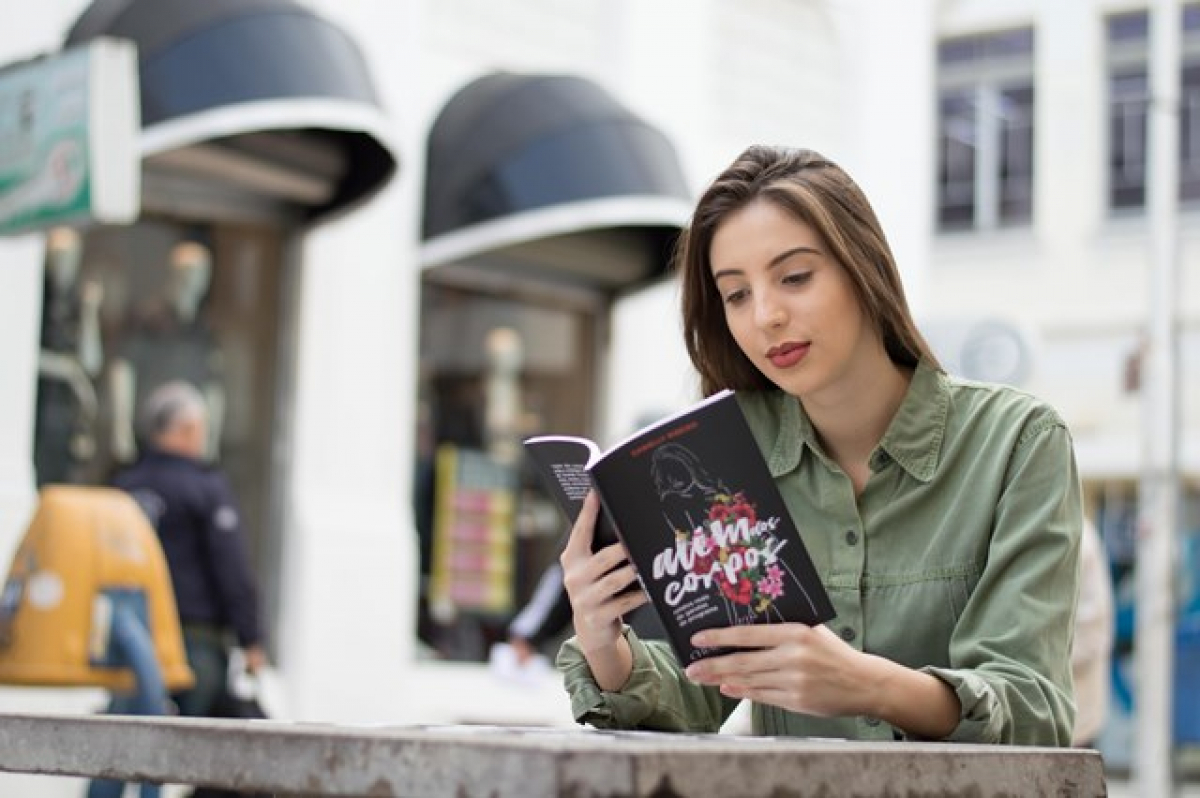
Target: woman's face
789,305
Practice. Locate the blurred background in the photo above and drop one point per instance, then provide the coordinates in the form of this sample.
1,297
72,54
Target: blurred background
430,229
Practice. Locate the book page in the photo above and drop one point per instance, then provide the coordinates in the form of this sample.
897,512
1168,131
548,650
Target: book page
562,465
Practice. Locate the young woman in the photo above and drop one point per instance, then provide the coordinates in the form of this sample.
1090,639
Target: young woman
944,516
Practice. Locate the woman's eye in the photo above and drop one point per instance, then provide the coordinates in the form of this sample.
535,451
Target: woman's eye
735,296
797,278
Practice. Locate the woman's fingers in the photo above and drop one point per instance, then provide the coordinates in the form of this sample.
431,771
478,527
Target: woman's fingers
608,566
596,582
603,614
739,666
797,667
610,557
584,528
602,596
616,580
762,635
632,600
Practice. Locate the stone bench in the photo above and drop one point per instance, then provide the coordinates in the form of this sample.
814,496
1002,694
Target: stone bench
302,759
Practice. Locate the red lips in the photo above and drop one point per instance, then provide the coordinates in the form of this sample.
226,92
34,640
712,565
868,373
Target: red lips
787,355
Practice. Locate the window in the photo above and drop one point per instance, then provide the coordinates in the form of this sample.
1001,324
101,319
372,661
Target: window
985,130
1128,105
496,366
128,307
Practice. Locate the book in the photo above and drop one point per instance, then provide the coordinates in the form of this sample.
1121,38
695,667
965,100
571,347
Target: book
701,518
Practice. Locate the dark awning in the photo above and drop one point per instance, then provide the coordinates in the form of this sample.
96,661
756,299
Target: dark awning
548,170
263,91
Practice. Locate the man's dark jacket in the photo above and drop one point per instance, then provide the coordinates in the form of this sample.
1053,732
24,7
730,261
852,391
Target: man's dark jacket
192,507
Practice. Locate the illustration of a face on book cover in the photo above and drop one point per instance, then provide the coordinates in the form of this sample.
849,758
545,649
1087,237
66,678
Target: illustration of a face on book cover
726,564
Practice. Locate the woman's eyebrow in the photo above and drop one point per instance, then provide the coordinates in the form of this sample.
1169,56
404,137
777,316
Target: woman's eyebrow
773,262
803,249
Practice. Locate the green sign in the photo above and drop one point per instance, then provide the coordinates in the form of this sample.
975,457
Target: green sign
69,127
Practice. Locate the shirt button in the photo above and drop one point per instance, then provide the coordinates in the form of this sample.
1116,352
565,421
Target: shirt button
851,537
848,634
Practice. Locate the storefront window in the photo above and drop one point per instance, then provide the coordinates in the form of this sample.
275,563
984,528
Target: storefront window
494,370
128,308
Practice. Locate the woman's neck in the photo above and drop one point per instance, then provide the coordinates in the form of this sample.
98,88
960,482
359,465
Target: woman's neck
851,421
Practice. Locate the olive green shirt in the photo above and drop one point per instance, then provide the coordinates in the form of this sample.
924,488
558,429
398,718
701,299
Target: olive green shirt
960,559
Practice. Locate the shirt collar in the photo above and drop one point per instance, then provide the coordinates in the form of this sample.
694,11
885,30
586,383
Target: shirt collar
913,439
795,431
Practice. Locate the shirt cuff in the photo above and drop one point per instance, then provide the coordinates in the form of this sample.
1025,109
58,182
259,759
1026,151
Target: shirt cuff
981,719
625,709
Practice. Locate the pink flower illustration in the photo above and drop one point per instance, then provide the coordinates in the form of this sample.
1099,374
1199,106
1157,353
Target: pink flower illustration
771,585
755,586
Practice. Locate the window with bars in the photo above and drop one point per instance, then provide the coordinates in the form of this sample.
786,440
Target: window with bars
1128,106
985,130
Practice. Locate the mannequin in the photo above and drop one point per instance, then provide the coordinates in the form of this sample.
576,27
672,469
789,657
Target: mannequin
69,360
169,341
502,411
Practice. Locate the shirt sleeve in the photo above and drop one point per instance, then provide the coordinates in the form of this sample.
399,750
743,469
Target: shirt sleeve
657,696
229,563
1010,653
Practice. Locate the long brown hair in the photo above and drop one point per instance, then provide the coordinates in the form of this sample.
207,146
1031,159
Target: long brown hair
819,193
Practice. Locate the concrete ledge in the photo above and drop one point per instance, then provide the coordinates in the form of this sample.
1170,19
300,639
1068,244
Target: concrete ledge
465,761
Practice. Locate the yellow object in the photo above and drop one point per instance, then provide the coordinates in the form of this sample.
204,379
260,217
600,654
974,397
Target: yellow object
85,549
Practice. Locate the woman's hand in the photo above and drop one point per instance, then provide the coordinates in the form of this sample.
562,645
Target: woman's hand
594,583
793,666
810,669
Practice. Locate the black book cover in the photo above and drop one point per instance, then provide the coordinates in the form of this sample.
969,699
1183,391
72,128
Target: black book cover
706,528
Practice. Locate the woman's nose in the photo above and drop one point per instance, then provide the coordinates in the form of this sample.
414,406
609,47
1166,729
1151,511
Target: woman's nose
769,313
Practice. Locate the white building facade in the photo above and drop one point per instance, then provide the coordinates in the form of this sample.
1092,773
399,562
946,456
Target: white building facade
1016,228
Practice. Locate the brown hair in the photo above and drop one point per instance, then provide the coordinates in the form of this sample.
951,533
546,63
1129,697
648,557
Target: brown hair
819,193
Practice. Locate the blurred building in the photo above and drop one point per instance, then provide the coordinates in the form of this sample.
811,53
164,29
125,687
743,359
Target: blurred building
1039,268
383,187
